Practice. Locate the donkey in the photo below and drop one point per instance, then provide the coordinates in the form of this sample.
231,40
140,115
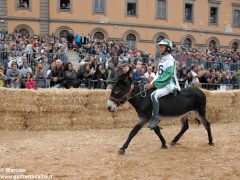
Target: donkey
180,105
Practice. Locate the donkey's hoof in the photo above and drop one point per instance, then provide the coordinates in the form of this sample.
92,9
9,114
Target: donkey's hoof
164,146
121,151
211,144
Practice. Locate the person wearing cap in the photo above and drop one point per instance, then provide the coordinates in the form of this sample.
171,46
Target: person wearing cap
165,81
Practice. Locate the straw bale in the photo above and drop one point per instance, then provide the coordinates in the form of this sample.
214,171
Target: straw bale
77,109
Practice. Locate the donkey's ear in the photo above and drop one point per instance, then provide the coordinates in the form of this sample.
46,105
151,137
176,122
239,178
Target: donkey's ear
126,69
125,73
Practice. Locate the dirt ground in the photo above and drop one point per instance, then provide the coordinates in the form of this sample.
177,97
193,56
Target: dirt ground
92,154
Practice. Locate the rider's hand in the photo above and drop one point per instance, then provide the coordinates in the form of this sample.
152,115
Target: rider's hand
149,86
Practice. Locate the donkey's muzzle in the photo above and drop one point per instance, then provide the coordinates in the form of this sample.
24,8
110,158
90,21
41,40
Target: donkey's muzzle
111,106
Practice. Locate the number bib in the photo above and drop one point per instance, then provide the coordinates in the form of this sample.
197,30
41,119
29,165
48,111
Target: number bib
160,69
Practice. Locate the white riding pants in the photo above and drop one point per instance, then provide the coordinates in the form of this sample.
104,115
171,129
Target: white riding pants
161,92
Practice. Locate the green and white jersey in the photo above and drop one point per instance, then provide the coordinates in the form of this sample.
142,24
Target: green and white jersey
166,74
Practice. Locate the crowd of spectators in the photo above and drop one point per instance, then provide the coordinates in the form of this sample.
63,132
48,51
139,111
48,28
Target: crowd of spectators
43,61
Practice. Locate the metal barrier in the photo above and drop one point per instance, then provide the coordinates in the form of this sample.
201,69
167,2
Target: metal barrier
219,66
105,84
212,87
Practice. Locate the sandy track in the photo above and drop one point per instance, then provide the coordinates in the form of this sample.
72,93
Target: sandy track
92,154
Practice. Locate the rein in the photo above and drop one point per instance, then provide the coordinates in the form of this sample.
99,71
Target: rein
129,96
143,93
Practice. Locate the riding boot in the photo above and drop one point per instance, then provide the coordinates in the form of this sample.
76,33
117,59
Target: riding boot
155,114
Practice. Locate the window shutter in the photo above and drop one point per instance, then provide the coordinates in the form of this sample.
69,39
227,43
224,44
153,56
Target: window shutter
237,17
102,3
161,8
99,5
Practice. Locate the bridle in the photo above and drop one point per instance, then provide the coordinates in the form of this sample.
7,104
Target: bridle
129,96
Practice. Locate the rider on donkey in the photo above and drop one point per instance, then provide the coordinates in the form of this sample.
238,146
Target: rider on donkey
165,81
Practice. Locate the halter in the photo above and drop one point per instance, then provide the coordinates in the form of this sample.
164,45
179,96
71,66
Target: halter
129,96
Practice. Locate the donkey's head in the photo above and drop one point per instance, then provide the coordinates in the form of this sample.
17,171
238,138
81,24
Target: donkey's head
121,90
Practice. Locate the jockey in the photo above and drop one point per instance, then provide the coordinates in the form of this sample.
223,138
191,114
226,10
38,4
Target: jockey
165,81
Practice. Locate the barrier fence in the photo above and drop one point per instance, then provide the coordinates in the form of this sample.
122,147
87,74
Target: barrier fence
219,66
105,84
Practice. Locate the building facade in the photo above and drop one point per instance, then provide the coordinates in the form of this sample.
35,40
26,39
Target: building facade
142,23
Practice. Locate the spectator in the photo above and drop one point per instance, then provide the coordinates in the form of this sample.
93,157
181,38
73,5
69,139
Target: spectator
19,59
143,69
236,79
2,66
30,83
117,70
2,78
61,54
41,76
110,73
101,58
224,79
92,63
86,74
53,66
29,52
25,69
14,76
100,76
192,78
71,77
137,74
46,64
78,40
149,75
57,75
70,40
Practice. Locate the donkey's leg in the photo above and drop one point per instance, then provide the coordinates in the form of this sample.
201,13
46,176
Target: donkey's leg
184,128
158,132
208,128
133,132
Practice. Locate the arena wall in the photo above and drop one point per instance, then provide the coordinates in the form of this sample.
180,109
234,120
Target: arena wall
86,109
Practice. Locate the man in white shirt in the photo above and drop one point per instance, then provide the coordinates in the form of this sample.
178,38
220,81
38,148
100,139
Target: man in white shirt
25,69
19,59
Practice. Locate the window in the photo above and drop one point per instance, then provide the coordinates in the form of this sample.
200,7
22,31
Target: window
24,32
132,7
161,9
159,39
235,46
65,4
131,40
236,17
212,46
99,5
23,3
213,15
64,33
188,12
187,43
214,6
99,36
